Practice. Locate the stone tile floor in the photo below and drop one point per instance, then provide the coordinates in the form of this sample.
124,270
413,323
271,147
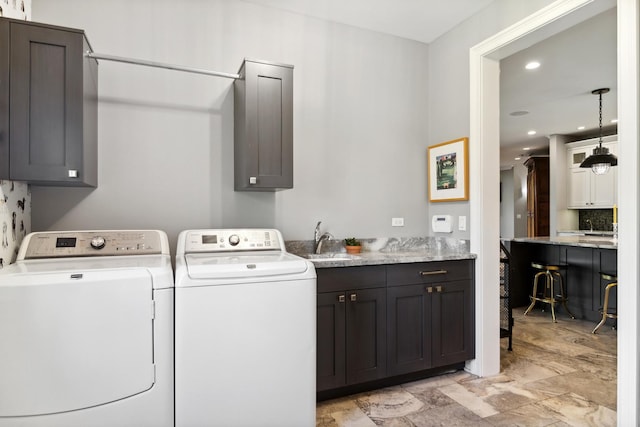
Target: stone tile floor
557,375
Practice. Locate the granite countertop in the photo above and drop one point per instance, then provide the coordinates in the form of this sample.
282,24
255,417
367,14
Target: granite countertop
384,251
602,242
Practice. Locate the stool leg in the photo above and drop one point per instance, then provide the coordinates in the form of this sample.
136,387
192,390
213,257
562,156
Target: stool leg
552,298
605,307
563,294
534,293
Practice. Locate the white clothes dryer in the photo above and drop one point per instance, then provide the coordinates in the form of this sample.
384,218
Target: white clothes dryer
245,331
86,330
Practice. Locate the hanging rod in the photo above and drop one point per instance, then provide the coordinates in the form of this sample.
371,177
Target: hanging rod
89,54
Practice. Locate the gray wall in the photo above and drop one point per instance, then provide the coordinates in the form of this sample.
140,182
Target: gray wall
449,80
366,107
166,138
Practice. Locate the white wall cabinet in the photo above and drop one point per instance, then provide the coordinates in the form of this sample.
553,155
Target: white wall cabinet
587,190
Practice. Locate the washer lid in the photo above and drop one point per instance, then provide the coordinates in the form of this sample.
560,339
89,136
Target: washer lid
247,264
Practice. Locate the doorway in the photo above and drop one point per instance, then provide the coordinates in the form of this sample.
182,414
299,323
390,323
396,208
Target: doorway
484,167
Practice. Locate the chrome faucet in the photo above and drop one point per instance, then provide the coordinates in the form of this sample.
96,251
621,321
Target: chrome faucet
588,221
318,238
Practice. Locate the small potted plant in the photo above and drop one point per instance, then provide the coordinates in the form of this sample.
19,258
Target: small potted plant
352,245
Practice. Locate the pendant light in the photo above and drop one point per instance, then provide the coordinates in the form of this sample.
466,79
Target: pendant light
601,159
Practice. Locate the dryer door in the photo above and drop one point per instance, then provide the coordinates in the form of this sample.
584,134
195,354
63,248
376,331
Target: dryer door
74,339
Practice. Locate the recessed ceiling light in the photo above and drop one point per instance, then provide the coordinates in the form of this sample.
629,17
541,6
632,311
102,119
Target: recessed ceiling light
614,120
532,65
519,113
527,148
517,158
531,132
581,128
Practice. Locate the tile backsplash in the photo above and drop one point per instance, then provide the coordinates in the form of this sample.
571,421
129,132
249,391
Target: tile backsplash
601,219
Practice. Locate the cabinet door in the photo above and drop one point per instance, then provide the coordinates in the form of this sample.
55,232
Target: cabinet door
409,329
46,107
453,323
366,335
579,188
264,127
603,188
4,99
330,350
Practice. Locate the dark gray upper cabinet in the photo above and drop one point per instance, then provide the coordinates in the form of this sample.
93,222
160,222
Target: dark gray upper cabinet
48,105
263,104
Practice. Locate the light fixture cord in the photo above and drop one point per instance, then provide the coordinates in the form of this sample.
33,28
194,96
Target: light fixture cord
600,118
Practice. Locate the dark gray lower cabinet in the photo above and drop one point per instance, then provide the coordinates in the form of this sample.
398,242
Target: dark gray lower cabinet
430,324
366,338
331,348
351,328
392,320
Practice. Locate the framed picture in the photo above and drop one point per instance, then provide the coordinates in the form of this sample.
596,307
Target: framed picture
448,171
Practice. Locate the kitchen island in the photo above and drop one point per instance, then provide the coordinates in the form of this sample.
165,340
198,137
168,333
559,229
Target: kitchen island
586,257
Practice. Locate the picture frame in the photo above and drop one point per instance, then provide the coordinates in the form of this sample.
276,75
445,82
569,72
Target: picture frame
448,171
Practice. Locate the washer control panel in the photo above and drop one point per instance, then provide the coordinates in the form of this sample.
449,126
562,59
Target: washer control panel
226,240
59,244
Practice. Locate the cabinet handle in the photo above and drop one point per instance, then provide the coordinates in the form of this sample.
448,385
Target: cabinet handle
353,297
341,298
433,273
438,288
429,289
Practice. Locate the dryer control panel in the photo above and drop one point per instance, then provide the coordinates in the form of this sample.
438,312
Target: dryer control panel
232,240
60,244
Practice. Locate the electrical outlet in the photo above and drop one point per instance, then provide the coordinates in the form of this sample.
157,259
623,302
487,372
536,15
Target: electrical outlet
397,222
462,223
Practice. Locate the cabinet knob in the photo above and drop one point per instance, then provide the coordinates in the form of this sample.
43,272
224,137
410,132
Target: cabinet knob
253,180
429,289
341,298
438,288
73,173
353,297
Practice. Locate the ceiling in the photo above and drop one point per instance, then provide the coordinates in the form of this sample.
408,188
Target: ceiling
421,20
557,96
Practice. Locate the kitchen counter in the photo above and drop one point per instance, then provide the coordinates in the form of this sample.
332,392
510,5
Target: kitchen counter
380,251
602,242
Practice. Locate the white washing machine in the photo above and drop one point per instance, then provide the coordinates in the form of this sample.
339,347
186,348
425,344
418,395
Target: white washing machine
86,330
245,331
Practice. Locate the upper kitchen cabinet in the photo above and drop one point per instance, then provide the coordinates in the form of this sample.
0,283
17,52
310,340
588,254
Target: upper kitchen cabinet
586,189
48,105
263,103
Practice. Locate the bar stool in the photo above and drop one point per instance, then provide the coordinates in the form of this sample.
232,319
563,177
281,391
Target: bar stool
551,274
606,311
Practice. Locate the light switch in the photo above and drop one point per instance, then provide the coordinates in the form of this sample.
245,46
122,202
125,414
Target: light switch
462,223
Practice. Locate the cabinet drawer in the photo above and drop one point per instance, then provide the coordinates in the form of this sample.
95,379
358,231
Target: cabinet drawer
429,272
343,278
